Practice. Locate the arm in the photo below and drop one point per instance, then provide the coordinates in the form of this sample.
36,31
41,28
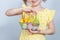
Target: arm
50,30
12,12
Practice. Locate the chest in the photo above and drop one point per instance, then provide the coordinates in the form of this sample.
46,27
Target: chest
42,16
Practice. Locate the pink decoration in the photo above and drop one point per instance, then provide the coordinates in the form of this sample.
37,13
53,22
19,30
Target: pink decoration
30,25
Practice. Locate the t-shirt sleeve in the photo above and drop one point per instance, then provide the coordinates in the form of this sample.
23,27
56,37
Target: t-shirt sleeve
25,6
51,15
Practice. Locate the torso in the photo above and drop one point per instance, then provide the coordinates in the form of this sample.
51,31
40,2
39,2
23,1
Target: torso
44,16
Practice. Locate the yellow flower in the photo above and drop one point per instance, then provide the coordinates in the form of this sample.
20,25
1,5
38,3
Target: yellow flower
22,20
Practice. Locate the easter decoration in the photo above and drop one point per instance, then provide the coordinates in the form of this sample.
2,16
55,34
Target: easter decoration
35,24
29,21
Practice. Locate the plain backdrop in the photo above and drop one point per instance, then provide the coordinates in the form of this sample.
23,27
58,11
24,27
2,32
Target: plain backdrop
9,26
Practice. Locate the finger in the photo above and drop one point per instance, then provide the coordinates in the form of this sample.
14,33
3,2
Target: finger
33,31
34,12
27,11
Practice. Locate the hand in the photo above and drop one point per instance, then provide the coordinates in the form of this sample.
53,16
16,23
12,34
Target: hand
28,32
33,11
27,10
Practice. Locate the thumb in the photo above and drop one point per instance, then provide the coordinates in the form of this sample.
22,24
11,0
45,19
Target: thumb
33,11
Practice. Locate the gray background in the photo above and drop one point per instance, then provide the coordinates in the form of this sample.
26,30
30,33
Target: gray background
9,26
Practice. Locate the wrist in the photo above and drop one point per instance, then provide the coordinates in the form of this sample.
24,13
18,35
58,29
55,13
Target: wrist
42,32
21,9
39,31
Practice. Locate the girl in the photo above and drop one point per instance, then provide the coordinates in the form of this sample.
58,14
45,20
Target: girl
44,16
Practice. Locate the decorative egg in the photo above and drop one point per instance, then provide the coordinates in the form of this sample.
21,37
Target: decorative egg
24,26
34,28
30,25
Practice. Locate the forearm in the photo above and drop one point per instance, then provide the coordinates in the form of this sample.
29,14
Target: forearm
12,12
47,32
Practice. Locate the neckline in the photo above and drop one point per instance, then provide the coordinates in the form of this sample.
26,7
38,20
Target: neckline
42,10
39,10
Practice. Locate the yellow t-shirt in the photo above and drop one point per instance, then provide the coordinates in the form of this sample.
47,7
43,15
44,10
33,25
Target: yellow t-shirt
44,16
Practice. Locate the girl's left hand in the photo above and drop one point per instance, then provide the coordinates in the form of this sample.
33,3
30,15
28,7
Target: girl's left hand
34,32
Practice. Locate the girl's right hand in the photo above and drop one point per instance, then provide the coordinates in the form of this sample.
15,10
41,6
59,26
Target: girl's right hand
34,32
27,10
29,32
